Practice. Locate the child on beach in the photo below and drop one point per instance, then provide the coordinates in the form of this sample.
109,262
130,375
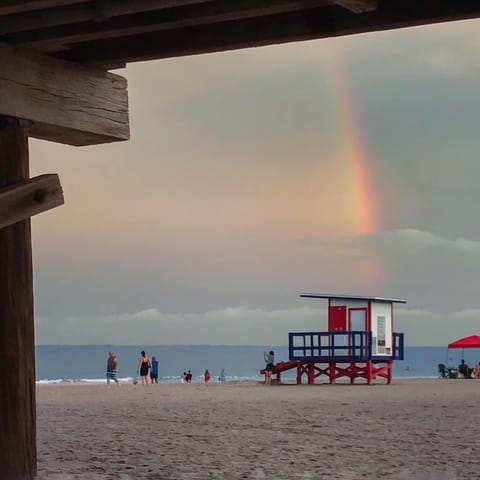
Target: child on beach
207,376
154,371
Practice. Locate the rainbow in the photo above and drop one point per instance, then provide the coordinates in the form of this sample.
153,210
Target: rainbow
353,149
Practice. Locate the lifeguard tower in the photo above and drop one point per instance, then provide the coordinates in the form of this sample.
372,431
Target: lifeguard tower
359,343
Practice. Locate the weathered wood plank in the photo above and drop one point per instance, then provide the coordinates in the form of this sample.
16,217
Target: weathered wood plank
30,197
15,6
259,31
67,103
18,455
118,39
86,11
55,39
358,6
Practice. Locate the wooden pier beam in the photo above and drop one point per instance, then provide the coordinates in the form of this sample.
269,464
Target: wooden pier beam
358,6
27,198
18,455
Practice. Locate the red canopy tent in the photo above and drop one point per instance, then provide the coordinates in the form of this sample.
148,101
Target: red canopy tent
473,341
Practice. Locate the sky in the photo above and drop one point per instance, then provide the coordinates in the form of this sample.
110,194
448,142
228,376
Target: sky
344,166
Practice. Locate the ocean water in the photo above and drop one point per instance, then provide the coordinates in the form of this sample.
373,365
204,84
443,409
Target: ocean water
88,363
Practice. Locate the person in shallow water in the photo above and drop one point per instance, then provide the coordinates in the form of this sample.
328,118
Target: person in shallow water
143,367
112,365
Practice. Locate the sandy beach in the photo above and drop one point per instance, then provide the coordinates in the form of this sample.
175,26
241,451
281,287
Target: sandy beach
411,429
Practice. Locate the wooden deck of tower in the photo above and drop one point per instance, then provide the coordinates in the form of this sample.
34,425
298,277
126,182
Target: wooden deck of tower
55,85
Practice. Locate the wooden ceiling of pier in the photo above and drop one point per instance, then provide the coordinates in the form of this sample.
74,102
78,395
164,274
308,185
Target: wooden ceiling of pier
111,33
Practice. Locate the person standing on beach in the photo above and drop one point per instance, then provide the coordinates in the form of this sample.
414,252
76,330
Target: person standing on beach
222,378
207,376
112,364
143,367
154,370
269,360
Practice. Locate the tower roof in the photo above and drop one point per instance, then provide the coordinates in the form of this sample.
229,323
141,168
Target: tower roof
352,297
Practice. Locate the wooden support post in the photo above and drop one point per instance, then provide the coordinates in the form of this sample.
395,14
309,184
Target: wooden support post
299,373
311,373
331,372
18,454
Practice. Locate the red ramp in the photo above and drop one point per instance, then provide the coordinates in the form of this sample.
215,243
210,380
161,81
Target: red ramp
281,367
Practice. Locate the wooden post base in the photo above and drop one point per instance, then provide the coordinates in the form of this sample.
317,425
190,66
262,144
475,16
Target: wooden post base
18,455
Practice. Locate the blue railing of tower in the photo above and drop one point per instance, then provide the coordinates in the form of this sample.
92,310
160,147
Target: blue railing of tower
340,346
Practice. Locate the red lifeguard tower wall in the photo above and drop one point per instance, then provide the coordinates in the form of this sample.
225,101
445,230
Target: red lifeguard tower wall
363,314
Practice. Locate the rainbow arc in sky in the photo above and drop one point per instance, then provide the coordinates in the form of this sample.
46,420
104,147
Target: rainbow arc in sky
354,150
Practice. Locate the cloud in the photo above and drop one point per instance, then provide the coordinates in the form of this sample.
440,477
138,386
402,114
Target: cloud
454,51
468,314
429,270
411,240
447,50
230,326
425,327
243,326
394,242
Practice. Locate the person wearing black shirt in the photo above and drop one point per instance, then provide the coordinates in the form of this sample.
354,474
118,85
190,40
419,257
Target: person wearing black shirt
464,369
